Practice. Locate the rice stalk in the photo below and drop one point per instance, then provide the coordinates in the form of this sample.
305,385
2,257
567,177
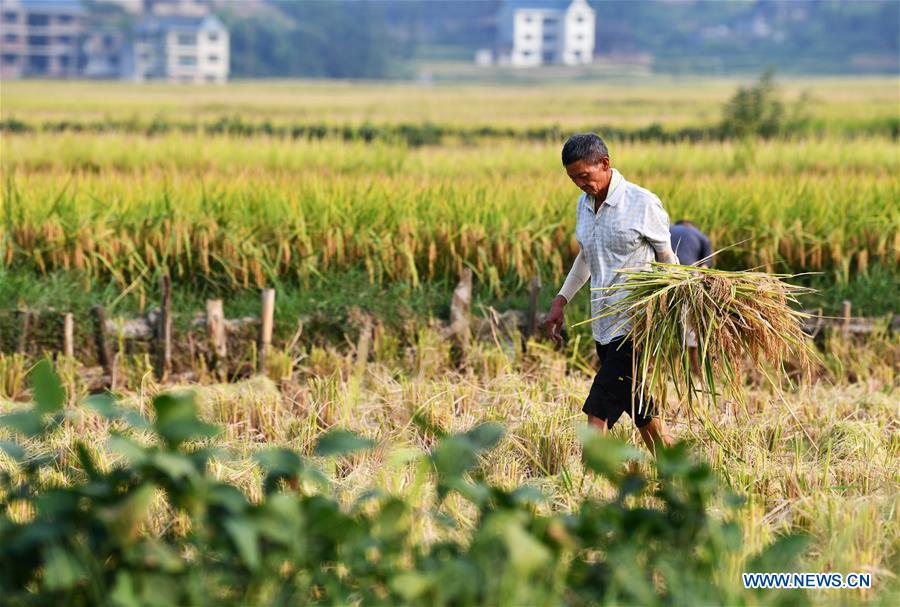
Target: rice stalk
735,315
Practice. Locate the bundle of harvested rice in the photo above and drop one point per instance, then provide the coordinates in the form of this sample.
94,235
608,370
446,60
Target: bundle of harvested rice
733,314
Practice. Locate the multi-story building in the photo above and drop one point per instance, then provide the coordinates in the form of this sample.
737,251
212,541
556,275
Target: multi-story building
41,38
175,41
540,32
181,49
107,54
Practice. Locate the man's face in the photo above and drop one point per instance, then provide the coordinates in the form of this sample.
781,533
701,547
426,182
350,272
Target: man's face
591,178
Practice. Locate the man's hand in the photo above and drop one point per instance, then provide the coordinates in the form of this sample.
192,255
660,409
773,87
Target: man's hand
667,256
555,319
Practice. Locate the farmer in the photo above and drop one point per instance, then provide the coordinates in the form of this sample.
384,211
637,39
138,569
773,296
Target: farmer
690,244
692,247
619,225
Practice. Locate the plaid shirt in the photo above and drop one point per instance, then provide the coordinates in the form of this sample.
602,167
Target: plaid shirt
626,232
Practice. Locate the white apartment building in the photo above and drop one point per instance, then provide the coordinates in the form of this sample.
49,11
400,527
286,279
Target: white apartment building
541,32
179,48
41,38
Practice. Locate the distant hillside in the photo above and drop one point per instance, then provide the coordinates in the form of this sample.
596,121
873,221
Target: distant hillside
703,36
386,39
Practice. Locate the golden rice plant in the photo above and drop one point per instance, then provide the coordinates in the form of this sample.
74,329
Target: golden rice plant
735,316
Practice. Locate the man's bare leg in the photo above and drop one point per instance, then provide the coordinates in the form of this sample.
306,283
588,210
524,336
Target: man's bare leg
695,364
598,423
655,434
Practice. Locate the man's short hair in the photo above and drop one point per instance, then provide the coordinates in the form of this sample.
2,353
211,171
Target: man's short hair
584,146
685,222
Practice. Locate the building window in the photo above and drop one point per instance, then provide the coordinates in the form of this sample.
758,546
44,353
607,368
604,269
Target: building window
211,78
213,58
10,18
10,38
108,40
9,59
527,18
38,63
63,62
63,39
526,53
64,19
38,40
580,18
212,36
548,57
38,20
579,37
187,60
187,39
528,36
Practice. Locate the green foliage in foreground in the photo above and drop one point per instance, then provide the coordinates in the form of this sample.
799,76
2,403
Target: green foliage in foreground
82,544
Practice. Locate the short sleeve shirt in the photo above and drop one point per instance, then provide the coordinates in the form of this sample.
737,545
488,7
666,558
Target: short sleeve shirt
690,244
625,233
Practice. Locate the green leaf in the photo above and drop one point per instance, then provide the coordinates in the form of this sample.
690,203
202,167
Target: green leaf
485,436
174,465
341,442
410,586
605,455
453,456
28,422
155,554
135,454
61,569
456,454
122,594
49,394
526,554
105,405
527,494
781,555
244,535
279,462
476,493
14,450
228,498
177,421
125,517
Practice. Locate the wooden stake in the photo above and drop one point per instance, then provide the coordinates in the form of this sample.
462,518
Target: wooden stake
531,325
69,335
215,330
266,325
460,304
845,314
24,327
164,329
103,355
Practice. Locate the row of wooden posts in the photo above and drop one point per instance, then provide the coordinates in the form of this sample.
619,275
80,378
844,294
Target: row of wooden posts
160,331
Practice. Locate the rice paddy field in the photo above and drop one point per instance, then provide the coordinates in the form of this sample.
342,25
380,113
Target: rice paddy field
375,232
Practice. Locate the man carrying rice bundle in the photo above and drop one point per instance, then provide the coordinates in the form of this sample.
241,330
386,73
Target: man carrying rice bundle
619,225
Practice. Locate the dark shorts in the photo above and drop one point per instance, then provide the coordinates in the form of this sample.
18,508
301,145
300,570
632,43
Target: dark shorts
611,392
